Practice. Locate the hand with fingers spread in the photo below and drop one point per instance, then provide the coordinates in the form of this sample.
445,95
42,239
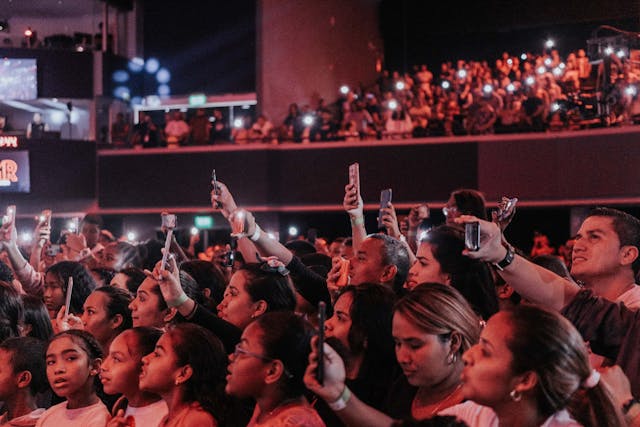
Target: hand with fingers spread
222,199
334,373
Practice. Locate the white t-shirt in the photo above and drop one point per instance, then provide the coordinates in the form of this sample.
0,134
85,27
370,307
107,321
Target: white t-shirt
95,415
149,415
481,416
29,419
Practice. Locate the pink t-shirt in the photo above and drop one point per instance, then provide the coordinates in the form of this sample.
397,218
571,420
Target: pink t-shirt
95,415
294,415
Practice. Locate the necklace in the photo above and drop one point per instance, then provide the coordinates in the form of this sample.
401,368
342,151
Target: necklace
282,405
416,409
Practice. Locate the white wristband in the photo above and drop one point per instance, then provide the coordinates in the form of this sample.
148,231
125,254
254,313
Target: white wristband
256,234
341,403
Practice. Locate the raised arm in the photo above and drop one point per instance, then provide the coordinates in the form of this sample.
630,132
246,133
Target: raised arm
32,282
222,200
354,206
42,235
534,283
390,221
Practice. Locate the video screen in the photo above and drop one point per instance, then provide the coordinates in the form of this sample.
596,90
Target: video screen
18,79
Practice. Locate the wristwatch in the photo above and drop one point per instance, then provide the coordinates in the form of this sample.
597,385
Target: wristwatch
507,260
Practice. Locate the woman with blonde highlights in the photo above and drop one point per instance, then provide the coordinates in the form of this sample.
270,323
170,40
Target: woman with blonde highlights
432,327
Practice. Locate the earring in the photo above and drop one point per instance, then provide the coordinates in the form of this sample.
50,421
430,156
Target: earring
177,382
452,358
516,396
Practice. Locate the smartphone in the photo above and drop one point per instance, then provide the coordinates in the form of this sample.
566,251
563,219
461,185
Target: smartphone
52,250
354,176
506,209
229,258
10,216
69,292
472,236
385,199
75,225
44,219
322,317
343,279
216,188
169,220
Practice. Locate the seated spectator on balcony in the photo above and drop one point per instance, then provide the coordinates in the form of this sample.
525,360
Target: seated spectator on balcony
120,131
424,78
510,116
361,117
584,66
176,130
349,132
145,133
533,108
261,130
220,129
420,128
326,129
482,116
292,130
240,133
398,124
200,128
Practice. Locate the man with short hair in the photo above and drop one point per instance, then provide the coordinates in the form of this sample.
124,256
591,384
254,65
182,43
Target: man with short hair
380,259
605,259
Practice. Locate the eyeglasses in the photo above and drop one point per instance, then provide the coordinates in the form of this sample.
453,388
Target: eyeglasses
449,211
239,351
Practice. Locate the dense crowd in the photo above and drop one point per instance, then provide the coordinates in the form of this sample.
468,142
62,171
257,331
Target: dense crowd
525,93
445,325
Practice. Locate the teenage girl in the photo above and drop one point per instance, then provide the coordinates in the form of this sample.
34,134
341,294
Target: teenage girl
120,374
187,369
73,361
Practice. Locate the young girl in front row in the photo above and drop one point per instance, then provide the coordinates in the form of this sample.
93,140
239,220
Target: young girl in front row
73,360
187,369
120,373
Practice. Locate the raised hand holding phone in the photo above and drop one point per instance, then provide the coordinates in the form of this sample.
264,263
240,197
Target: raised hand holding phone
216,189
385,199
322,317
169,222
505,212
354,177
8,231
67,303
